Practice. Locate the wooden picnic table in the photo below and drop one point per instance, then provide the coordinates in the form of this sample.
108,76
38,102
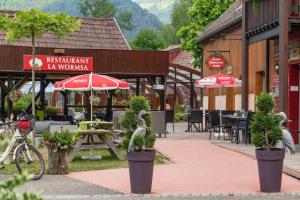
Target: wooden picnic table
89,129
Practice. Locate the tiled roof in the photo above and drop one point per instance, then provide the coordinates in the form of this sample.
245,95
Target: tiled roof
93,34
172,47
184,58
231,16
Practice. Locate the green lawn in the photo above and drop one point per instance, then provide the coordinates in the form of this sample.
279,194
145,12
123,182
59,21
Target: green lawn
107,161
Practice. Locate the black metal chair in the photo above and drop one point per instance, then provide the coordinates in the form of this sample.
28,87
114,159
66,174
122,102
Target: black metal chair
244,126
170,117
227,122
196,117
214,119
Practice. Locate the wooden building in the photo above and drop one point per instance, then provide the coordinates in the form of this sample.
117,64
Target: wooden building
261,42
277,23
224,36
100,40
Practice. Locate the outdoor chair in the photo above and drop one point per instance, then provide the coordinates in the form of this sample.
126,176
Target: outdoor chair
196,117
244,126
170,117
214,119
227,122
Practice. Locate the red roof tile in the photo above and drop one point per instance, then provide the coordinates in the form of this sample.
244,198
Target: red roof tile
94,33
184,58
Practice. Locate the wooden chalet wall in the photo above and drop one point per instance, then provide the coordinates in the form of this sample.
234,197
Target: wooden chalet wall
118,62
233,43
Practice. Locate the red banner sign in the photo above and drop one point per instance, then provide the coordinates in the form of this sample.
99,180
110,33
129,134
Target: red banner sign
216,62
59,63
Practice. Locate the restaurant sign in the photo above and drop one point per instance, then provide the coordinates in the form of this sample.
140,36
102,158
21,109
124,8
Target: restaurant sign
216,62
59,63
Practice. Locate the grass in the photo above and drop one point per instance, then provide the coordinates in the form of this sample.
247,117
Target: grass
108,161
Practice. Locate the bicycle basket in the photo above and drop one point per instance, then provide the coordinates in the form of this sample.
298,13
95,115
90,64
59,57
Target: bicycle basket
25,123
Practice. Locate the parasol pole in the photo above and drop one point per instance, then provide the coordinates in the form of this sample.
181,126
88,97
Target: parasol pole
91,102
221,130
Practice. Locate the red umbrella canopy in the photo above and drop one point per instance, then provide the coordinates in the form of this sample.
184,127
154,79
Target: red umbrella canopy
218,80
91,81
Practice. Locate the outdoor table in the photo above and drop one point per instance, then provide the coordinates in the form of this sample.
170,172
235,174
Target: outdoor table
235,119
88,129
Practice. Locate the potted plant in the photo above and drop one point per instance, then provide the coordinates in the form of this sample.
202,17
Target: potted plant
59,144
14,95
139,139
266,133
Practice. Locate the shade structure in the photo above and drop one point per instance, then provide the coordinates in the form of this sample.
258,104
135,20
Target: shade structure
91,82
219,81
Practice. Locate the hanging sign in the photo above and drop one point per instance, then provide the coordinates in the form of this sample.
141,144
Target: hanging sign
216,62
59,63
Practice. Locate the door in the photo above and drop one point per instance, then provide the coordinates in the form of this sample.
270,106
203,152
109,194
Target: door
293,107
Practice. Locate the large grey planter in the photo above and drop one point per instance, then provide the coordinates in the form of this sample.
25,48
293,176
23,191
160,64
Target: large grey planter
270,165
141,165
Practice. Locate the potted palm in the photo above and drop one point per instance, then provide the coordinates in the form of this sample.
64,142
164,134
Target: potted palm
59,144
266,133
139,141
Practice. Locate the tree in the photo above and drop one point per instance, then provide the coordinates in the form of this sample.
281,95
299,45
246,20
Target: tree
97,8
104,9
179,14
202,12
147,39
168,34
179,18
33,24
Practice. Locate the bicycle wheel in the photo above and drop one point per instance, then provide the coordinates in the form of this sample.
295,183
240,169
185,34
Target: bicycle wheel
33,164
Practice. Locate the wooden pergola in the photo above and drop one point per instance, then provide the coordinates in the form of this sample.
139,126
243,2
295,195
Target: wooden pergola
150,65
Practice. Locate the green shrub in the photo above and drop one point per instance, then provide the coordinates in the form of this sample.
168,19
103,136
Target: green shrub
50,111
180,114
265,129
129,122
62,140
8,192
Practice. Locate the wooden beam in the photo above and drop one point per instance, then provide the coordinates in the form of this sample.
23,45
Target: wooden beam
10,88
264,35
137,89
245,59
37,96
22,81
191,91
267,66
188,69
3,86
283,54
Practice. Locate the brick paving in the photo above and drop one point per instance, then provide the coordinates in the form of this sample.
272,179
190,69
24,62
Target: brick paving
198,167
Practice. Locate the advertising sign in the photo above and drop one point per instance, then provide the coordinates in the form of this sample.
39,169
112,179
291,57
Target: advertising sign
59,63
216,62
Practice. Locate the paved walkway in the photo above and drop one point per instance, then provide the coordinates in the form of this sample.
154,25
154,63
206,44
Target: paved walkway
291,162
199,167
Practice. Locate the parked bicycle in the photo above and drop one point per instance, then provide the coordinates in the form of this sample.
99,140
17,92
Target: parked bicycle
27,158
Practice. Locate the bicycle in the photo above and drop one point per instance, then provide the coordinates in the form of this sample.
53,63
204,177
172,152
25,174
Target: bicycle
27,158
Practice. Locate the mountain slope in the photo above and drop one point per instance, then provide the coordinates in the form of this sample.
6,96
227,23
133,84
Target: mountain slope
161,8
141,18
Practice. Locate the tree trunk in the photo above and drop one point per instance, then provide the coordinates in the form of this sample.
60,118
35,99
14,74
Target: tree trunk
57,162
33,84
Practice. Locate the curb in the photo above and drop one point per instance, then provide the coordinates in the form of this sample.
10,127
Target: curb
145,196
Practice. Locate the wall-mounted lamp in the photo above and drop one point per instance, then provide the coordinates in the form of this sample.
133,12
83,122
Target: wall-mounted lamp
277,68
59,51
